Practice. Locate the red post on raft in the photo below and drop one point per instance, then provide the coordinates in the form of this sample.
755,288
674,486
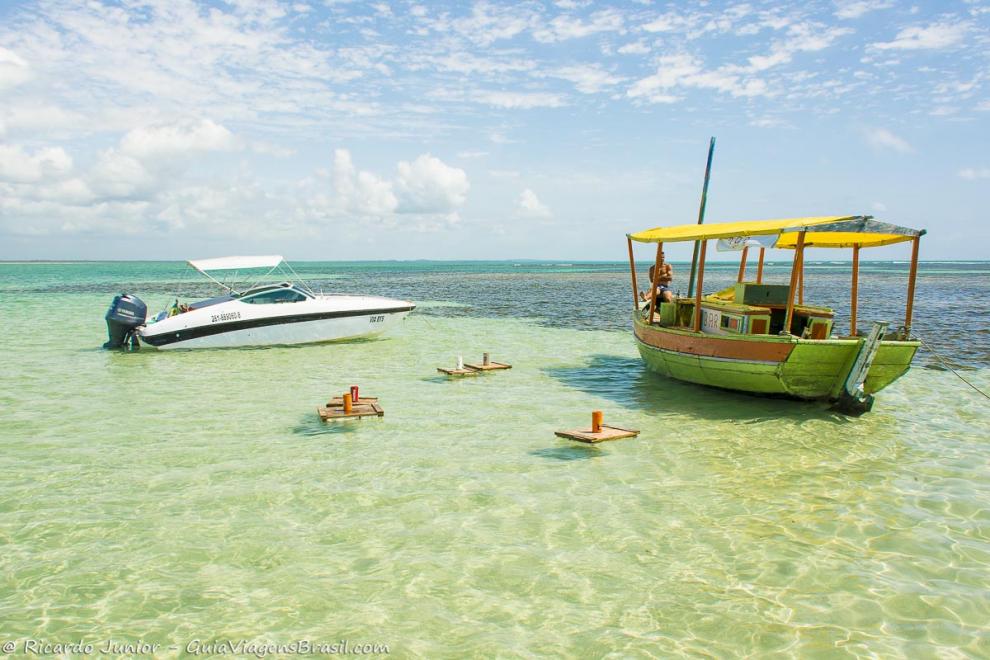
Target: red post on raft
742,264
596,421
854,299
759,266
701,282
632,270
795,269
910,294
656,280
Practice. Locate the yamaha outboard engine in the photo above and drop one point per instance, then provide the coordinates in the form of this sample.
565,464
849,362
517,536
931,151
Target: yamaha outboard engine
126,314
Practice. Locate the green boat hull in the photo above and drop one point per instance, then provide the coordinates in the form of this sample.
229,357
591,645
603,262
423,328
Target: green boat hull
801,368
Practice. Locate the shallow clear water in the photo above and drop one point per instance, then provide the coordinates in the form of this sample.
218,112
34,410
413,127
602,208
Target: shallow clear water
195,495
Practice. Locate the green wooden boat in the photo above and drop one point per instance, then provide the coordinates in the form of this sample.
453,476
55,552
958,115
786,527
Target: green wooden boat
763,338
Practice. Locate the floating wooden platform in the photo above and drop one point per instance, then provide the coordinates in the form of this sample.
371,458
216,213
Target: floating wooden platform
607,433
365,407
458,372
491,366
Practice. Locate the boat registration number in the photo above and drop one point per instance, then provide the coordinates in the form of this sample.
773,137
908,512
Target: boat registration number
377,319
226,316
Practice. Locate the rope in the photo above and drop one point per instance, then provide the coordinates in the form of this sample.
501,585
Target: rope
946,365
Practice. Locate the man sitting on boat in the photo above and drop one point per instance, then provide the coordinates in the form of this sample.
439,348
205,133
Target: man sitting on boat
663,292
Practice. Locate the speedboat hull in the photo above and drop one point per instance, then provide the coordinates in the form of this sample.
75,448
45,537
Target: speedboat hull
236,324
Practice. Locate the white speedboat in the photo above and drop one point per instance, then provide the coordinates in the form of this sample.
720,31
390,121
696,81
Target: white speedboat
260,315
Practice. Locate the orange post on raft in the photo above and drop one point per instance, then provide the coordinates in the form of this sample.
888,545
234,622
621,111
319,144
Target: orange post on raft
348,403
596,421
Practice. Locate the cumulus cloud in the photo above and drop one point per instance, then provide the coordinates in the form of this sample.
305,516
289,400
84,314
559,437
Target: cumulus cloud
881,138
530,206
20,166
428,185
360,192
176,139
935,36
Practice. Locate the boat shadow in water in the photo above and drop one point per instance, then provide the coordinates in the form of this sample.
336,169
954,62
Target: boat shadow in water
629,383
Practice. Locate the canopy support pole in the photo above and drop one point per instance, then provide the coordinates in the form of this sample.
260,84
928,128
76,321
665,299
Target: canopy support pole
701,215
801,281
701,283
910,293
656,279
759,266
632,271
795,269
742,264
854,299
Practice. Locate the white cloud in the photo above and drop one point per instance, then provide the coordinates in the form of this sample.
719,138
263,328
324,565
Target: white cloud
634,48
770,122
119,175
680,71
530,206
176,139
564,27
587,78
39,115
933,37
19,166
974,173
428,185
881,138
849,9
360,192
14,69
801,37
519,100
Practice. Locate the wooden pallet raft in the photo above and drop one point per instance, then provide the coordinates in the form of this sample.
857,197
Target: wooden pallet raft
337,408
598,432
488,365
460,370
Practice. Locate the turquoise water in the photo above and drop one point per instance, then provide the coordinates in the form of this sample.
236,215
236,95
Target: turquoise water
174,497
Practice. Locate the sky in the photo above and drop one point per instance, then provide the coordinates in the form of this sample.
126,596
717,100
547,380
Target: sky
169,129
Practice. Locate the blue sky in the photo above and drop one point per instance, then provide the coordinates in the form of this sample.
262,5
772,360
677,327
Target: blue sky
487,130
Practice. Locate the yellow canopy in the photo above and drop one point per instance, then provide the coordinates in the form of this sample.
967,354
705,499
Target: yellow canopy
823,231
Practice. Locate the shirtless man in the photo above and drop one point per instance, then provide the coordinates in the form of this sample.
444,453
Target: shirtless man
663,293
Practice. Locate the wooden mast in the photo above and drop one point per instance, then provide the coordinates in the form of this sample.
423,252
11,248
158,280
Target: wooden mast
742,264
854,299
632,271
701,214
701,282
656,278
795,268
759,266
910,294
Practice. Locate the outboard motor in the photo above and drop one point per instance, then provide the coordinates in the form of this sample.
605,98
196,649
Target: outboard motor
126,314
